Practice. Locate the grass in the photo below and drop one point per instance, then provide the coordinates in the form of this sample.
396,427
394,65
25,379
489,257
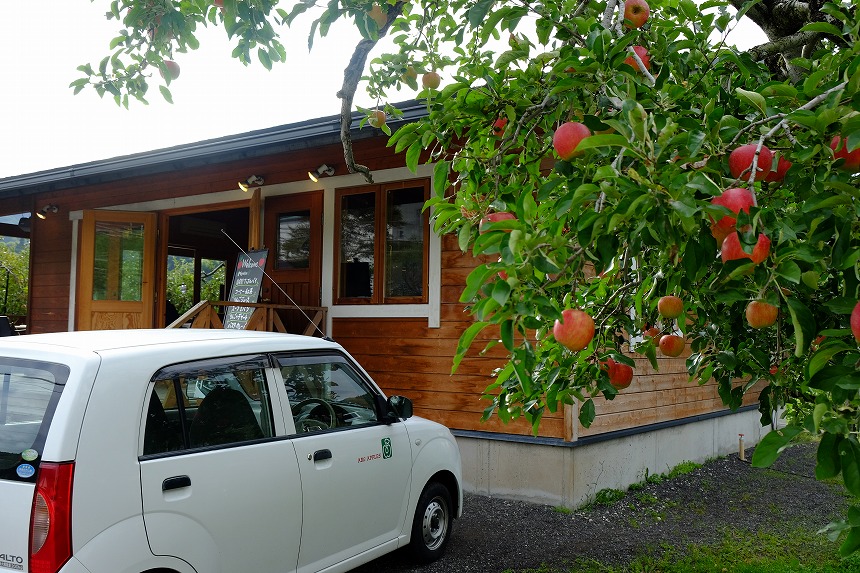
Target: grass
738,552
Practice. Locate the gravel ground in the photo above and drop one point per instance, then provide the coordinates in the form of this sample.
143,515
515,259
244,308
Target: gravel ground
495,534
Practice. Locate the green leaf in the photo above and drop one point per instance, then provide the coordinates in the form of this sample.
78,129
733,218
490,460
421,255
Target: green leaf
507,331
501,292
823,27
465,342
827,465
851,543
165,93
478,12
804,325
440,177
476,279
755,99
412,156
849,459
606,140
823,355
789,270
773,444
587,413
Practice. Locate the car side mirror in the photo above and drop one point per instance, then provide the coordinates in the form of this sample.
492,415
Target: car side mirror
401,406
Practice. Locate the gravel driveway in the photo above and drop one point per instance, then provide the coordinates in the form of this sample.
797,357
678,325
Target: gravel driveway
494,534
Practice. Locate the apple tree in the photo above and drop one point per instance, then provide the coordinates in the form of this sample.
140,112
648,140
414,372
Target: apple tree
633,158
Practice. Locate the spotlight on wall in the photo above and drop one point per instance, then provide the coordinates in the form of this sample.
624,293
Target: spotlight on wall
43,212
320,171
253,180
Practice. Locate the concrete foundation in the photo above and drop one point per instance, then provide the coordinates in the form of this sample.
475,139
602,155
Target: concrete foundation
569,474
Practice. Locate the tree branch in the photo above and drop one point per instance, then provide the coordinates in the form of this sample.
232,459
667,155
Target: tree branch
784,44
351,78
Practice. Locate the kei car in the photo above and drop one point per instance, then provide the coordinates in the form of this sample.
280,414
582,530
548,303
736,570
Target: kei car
192,450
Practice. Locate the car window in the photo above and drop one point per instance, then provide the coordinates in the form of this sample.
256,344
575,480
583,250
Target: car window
326,392
208,403
29,391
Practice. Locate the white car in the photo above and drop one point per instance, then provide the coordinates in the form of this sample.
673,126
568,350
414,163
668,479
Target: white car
183,450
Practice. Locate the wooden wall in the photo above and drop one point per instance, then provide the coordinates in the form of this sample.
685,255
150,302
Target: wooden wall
406,357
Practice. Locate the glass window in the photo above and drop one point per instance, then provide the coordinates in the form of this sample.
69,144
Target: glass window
208,403
326,392
118,253
382,244
294,240
404,243
357,245
29,391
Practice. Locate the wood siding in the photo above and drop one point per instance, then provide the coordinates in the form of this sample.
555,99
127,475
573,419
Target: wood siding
406,357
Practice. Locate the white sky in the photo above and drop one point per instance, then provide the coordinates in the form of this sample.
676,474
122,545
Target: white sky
44,126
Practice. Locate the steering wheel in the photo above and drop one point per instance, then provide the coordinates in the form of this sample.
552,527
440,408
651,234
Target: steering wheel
308,424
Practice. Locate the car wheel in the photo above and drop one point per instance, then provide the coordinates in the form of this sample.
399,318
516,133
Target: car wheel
431,526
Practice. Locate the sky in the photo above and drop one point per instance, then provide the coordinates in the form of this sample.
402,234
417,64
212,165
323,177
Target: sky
45,126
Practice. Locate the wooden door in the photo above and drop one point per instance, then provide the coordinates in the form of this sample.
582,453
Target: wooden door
117,271
293,235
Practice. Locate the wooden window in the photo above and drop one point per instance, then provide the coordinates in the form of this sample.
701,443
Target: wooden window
381,241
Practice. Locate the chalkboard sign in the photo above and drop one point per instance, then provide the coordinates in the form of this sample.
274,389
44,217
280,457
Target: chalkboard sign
246,288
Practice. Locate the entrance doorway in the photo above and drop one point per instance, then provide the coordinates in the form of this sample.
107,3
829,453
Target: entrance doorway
199,257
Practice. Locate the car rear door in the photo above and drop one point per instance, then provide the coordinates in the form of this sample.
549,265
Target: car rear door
29,393
355,470
220,483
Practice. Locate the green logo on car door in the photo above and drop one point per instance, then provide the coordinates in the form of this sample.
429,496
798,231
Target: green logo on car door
386,448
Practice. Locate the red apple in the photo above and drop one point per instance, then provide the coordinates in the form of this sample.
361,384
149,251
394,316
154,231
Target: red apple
761,314
377,118
774,370
653,333
732,250
778,174
736,199
643,55
671,345
839,145
670,306
620,375
855,321
493,218
567,138
499,126
636,13
740,162
431,80
172,70
574,329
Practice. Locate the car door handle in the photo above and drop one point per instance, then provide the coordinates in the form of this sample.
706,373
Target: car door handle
321,455
175,482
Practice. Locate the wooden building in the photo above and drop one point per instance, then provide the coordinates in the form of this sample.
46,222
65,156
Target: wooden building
362,253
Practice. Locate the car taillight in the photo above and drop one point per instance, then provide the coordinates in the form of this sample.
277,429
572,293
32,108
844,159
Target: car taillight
51,518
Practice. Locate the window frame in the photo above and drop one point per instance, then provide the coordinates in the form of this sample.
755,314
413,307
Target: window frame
379,296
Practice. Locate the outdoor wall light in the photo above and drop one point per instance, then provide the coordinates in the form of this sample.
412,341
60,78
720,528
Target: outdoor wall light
43,212
320,171
250,182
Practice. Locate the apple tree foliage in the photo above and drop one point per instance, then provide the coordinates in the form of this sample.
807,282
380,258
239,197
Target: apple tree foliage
629,220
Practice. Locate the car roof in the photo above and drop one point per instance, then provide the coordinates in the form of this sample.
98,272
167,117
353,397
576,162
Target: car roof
103,340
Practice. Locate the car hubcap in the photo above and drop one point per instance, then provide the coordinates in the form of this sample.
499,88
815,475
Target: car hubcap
435,524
